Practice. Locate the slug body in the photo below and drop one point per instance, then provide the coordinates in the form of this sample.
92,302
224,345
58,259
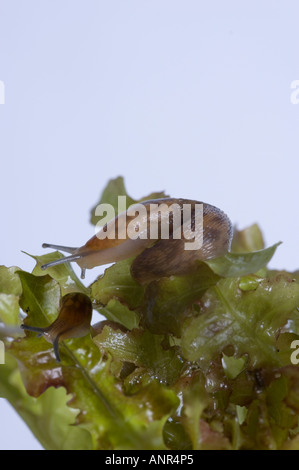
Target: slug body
73,321
156,256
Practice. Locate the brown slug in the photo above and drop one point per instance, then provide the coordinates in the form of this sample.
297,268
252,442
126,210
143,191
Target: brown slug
157,255
73,321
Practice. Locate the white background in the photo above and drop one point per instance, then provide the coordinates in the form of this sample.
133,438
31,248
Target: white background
188,96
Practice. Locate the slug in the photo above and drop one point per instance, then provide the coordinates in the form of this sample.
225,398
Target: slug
143,237
73,321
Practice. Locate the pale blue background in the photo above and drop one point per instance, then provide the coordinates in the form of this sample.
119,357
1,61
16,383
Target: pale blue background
188,96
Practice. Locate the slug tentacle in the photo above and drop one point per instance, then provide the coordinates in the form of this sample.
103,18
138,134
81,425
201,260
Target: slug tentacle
56,349
66,259
67,249
36,329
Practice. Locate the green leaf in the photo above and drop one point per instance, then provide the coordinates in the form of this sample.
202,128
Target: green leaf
119,313
113,419
168,301
115,188
194,403
241,413
247,321
250,282
9,309
201,361
117,283
272,416
48,416
232,366
63,273
175,435
247,240
10,291
40,298
142,349
241,264
9,281
204,435
37,362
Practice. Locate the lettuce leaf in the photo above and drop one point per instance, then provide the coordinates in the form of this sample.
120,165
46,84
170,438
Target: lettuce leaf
248,322
114,189
194,362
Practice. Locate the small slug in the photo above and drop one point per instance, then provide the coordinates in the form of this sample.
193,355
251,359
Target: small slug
73,321
156,255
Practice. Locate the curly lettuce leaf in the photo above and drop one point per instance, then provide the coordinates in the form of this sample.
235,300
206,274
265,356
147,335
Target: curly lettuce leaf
248,240
249,322
201,361
232,366
117,283
113,419
40,298
241,264
63,273
50,419
167,301
143,349
117,312
10,292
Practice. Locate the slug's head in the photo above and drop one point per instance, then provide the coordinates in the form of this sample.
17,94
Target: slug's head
73,321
